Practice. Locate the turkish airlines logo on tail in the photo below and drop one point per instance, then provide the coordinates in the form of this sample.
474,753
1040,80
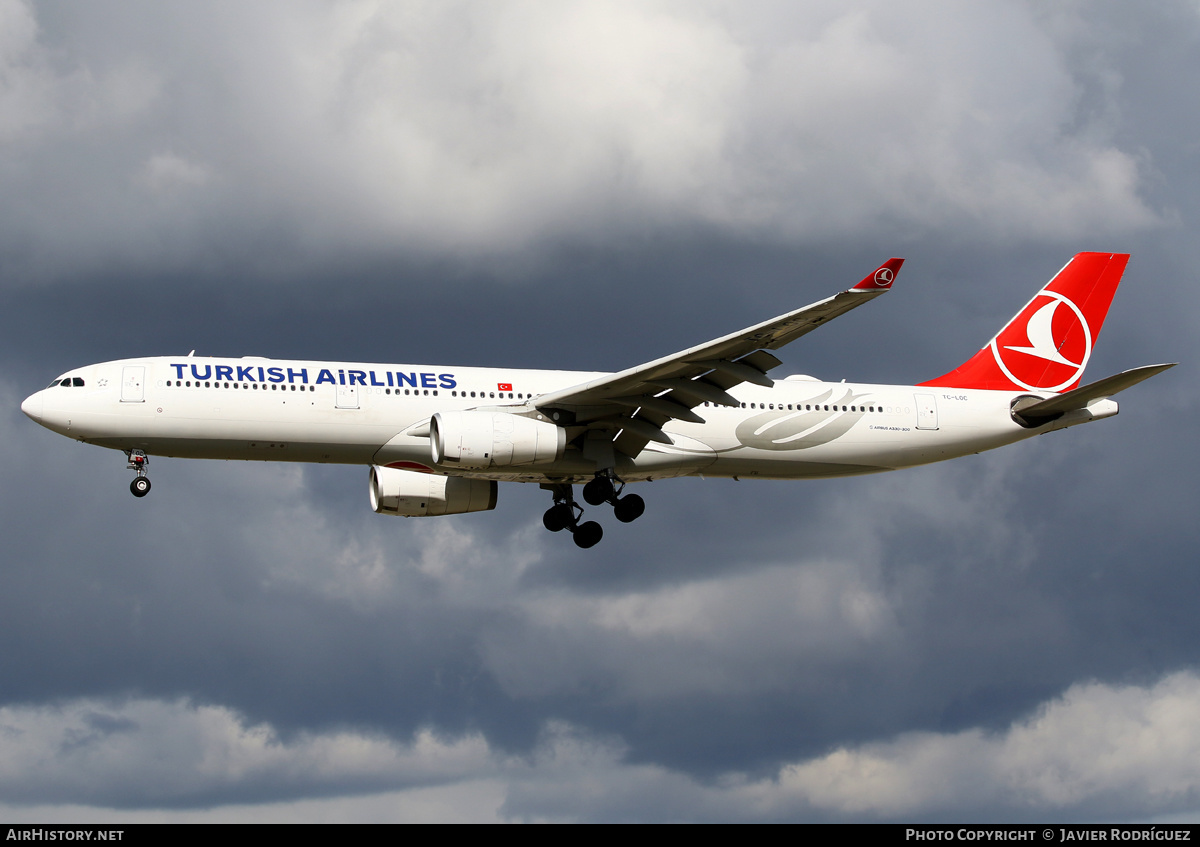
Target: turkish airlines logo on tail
1047,346
884,277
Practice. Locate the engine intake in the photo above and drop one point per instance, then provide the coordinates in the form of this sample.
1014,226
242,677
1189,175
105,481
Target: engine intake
417,495
480,440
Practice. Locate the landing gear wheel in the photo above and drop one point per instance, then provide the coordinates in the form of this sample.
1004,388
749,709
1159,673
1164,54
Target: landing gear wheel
137,463
588,534
557,517
599,490
629,508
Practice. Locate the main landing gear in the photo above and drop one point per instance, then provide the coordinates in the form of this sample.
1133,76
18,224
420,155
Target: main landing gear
602,490
138,460
565,513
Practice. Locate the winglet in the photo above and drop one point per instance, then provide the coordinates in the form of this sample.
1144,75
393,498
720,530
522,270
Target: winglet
881,278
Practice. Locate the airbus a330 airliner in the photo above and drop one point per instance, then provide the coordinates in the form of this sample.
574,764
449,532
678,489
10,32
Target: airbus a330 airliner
439,439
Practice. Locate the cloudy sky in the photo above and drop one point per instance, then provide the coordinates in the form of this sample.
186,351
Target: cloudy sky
1010,636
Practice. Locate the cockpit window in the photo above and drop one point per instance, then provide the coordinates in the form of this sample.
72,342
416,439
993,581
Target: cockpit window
66,383
54,383
77,381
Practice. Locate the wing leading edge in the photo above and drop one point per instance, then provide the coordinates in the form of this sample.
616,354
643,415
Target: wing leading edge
634,404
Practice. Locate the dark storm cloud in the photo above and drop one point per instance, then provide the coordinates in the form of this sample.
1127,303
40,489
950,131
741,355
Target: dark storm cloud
270,138
597,186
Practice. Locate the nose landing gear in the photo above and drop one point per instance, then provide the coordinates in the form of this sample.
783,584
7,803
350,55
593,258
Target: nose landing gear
138,460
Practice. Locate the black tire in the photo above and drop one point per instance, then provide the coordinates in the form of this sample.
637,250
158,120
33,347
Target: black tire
599,490
588,534
140,486
629,508
557,518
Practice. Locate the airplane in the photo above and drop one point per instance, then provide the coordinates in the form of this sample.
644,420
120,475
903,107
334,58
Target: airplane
438,440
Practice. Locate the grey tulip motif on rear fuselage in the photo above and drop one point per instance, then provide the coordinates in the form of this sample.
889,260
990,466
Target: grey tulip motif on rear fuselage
781,429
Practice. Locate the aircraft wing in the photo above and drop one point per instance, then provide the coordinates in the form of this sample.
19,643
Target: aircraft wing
635,403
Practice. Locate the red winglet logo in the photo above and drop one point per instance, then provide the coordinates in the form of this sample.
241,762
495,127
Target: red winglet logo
882,277
1048,344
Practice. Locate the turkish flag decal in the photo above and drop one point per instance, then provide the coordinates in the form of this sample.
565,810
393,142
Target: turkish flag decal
504,386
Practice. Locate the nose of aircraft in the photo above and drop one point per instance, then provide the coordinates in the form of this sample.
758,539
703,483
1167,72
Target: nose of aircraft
33,406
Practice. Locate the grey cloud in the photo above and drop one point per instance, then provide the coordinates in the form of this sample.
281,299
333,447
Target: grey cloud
276,137
1097,751
177,753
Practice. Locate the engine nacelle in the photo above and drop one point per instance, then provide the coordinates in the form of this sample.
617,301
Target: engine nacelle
415,495
480,440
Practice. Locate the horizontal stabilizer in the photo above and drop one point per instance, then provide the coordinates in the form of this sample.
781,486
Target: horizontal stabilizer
1047,410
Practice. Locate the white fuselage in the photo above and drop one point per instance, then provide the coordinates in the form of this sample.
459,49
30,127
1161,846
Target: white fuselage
353,413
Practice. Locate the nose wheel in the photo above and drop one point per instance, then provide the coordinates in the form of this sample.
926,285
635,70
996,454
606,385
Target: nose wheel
138,460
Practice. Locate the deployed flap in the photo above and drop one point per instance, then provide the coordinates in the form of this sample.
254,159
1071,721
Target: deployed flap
1047,410
691,377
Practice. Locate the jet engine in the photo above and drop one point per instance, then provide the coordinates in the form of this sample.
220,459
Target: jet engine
415,495
480,440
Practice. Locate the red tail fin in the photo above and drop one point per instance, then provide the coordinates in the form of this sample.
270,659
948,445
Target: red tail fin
1048,344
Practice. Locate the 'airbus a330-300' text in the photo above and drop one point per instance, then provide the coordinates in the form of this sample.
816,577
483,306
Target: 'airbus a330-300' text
438,440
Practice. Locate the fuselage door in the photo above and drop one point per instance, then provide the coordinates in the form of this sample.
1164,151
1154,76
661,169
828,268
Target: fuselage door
347,397
927,417
133,379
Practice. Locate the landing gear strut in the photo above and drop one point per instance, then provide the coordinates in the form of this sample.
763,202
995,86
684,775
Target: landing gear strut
601,489
565,514
605,487
138,460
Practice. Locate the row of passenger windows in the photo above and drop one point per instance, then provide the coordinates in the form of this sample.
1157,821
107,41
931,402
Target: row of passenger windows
188,384
483,395
489,395
68,382
492,395
808,407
